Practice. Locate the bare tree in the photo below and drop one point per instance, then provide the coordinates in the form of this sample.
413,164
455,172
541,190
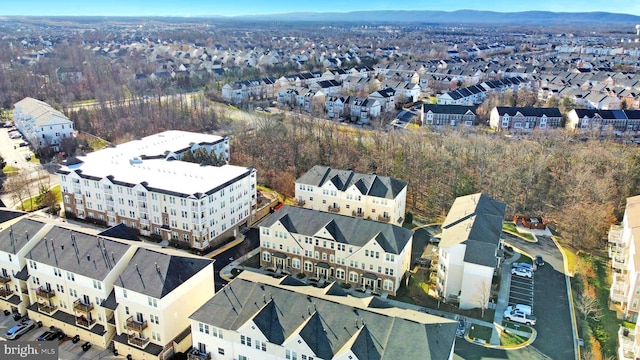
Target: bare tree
483,295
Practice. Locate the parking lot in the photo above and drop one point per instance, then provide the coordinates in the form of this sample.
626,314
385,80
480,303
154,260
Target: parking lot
521,290
67,349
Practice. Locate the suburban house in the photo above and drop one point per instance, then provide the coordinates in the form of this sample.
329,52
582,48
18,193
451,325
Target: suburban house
152,299
623,241
524,119
347,192
259,317
317,324
40,124
386,98
453,116
602,121
470,250
144,185
334,106
369,255
363,110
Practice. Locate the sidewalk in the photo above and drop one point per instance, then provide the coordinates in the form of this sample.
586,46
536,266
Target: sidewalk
503,297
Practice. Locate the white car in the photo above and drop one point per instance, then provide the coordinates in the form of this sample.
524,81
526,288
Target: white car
520,307
20,329
519,316
522,272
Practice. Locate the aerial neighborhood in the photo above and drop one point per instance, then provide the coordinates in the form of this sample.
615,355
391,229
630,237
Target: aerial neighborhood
244,189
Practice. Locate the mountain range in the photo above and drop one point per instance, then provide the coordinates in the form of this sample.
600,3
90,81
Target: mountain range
454,17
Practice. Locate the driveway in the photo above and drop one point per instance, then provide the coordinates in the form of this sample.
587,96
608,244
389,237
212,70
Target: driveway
250,242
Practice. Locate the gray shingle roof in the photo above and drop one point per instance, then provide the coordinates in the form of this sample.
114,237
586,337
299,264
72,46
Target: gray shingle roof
368,184
475,220
343,229
87,255
329,324
156,274
13,238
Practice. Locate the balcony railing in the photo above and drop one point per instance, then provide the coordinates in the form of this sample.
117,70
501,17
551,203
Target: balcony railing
626,339
78,305
144,221
5,279
334,209
357,213
45,294
384,218
615,234
194,354
619,261
137,341
84,322
5,293
136,325
47,308
618,291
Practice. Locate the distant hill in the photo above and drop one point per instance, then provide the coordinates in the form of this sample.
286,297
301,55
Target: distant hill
455,17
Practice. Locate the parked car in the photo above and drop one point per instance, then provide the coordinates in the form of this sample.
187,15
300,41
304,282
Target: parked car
23,143
522,272
20,329
519,316
521,265
520,307
539,261
14,135
51,334
461,328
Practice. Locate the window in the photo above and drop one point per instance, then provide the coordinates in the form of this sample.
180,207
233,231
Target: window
242,357
221,351
152,301
57,272
203,328
124,293
126,310
266,256
154,319
97,285
217,333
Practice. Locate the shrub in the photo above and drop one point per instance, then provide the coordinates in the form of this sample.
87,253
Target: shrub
408,217
345,285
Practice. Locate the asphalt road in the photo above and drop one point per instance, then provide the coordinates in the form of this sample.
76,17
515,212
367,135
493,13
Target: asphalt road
251,241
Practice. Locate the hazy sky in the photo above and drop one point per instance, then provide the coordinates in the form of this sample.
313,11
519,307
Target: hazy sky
248,7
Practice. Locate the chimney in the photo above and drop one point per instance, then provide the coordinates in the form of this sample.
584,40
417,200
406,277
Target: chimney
88,257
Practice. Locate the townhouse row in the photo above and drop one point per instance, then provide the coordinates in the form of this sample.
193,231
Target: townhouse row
111,292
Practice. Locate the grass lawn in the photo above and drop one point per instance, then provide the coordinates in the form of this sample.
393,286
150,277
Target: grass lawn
480,332
10,170
510,339
512,228
512,325
32,205
253,261
570,253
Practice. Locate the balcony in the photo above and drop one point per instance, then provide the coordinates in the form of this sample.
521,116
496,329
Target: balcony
144,221
619,260
5,293
626,339
357,213
618,291
141,197
137,341
194,354
45,294
384,218
79,306
334,209
47,308
136,325
5,279
84,322
615,234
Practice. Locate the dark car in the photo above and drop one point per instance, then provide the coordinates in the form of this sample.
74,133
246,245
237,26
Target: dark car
23,143
539,261
51,334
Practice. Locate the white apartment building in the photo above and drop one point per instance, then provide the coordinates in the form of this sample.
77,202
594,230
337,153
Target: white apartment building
40,124
144,185
349,193
259,317
70,276
468,251
16,240
369,255
153,298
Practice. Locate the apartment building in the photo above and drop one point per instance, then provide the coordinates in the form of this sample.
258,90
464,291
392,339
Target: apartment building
144,185
70,276
259,317
524,119
625,284
347,192
40,124
152,299
469,250
368,255
16,240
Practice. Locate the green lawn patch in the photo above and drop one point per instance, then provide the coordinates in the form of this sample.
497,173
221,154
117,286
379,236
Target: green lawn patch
253,262
511,339
34,203
480,332
10,170
514,326
512,228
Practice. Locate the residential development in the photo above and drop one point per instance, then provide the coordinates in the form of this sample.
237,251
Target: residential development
260,317
366,254
470,250
40,124
144,185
